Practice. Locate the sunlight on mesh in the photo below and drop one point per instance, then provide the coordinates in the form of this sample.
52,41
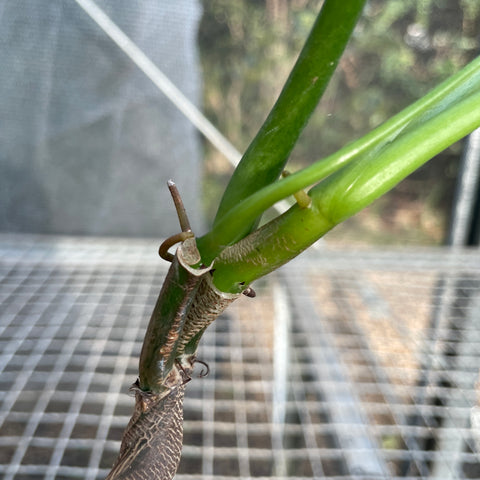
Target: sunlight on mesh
346,365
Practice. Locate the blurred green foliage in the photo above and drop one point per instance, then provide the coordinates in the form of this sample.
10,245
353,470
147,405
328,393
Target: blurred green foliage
400,50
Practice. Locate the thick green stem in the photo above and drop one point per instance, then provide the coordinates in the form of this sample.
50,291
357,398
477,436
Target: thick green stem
343,194
265,158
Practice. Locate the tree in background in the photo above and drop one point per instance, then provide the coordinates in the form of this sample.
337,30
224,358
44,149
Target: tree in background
401,50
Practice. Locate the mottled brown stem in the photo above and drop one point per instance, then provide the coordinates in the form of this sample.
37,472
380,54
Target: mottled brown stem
207,305
152,442
160,347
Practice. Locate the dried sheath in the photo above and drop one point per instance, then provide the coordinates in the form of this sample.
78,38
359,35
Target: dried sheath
152,443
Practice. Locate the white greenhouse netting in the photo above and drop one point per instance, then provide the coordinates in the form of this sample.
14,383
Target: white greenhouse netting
87,141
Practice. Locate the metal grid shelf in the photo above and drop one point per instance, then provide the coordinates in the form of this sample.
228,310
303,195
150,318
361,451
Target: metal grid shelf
346,365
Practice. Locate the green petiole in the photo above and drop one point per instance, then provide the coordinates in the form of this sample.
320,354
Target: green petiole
230,228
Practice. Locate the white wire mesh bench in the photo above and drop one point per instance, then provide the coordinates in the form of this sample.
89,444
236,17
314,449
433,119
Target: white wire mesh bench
348,364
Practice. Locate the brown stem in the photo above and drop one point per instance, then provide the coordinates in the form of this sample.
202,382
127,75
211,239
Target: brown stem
188,302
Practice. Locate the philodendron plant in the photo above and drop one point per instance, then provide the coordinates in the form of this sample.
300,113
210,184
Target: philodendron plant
210,272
